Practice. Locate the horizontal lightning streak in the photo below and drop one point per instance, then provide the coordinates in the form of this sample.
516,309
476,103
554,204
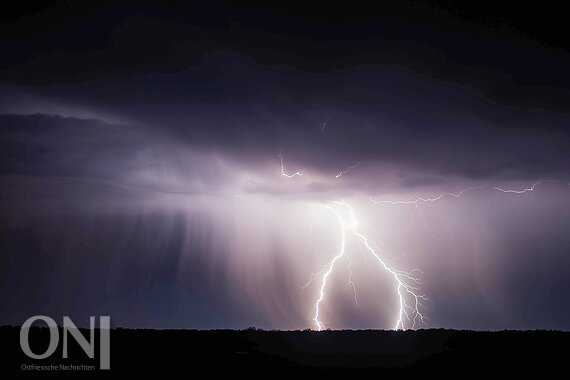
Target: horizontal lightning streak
525,190
421,199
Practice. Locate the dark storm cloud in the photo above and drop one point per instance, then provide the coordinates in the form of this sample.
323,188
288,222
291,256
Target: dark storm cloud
53,145
322,122
422,96
104,158
75,42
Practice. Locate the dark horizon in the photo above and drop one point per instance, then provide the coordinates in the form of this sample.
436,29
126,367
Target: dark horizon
422,352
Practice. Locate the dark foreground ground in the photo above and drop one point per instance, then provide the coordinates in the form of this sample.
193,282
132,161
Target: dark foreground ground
271,353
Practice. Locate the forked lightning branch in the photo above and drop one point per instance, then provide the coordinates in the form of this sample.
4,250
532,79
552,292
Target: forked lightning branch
407,284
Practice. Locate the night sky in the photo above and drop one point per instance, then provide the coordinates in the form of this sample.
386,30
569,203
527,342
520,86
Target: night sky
141,148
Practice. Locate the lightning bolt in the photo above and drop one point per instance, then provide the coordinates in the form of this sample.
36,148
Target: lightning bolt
407,284
350,283
416,201
419,200
285,173
525,190
348,169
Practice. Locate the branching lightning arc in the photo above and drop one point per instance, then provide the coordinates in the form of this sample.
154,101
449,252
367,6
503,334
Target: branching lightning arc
407,284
